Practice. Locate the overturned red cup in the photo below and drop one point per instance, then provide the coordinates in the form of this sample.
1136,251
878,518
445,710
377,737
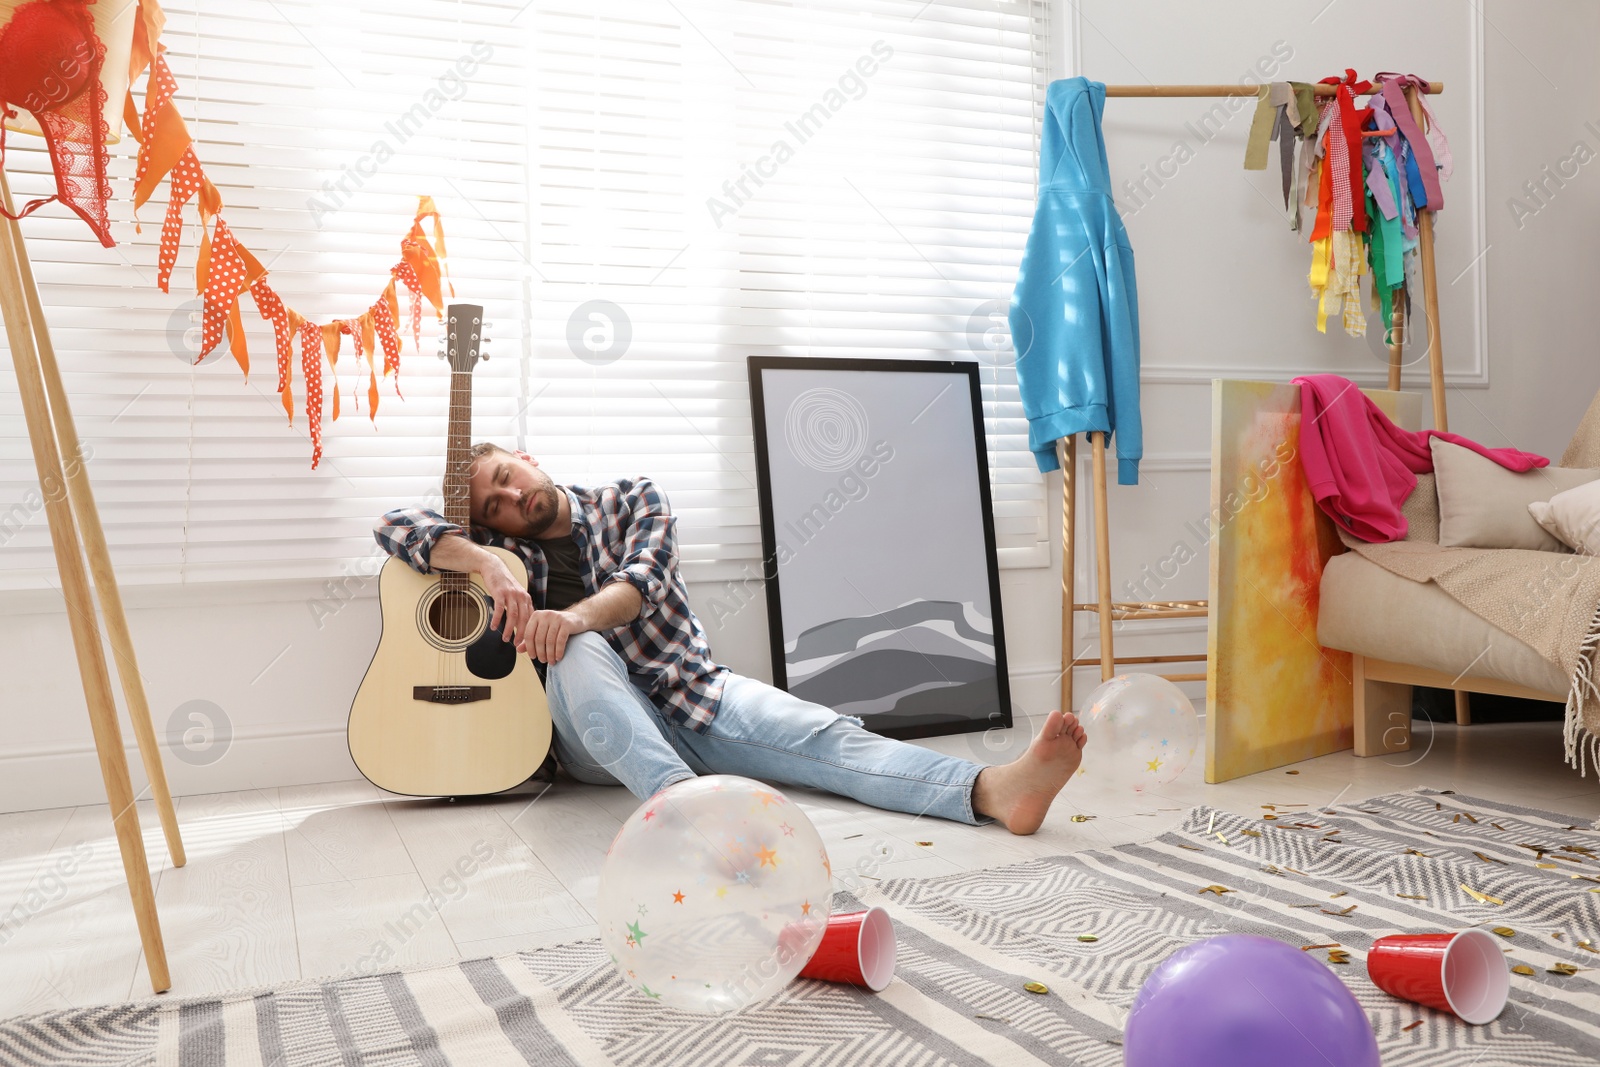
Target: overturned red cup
857,948
1463,973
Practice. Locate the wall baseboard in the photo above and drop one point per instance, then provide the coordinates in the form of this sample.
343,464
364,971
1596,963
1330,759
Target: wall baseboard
69,776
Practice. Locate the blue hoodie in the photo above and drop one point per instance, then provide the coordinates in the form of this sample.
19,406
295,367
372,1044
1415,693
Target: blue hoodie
1075,310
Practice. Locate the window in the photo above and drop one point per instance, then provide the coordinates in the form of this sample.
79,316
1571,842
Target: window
642,193
725,178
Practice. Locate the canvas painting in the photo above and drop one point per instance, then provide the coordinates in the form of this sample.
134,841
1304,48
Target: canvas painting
883,593
1275,696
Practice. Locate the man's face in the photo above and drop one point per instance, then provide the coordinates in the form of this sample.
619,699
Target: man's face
511,495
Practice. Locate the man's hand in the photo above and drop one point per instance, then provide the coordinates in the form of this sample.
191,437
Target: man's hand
547,633
513,607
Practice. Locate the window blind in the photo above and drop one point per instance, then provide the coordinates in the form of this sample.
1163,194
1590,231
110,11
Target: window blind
716,179
320,124
642,194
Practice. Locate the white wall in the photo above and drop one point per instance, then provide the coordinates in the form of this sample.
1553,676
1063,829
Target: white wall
1222,293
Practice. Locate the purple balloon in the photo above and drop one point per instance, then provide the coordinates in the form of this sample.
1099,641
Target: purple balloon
1246,1001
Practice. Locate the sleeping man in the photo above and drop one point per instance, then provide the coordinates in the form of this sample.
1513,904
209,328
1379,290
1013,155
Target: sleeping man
634,694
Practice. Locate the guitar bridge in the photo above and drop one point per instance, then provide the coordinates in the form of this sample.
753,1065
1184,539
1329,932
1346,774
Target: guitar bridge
450,694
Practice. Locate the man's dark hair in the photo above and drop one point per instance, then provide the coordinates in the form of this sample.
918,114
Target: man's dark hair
483,448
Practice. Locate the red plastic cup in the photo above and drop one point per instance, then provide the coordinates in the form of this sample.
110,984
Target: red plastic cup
1463,973
857,948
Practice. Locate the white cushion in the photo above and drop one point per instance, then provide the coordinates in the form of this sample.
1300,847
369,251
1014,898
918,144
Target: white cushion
1572,517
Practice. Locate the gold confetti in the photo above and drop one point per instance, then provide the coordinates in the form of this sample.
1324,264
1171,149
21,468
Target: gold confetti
1251,833
1271,817
1556,935
1456,817
1481,898
1217,889
1082,818
1191,848
1291,772
1522,969
1411,896
1340,893
1470,817
1545,866
925,844
1088,937
1410,1026
1341,911
1313,904
1036,987
1338,956
1309,948
1497,826
1437,806
1586,946
1219,837
1504,931
1489,859
1562,968
1414,852
993,1018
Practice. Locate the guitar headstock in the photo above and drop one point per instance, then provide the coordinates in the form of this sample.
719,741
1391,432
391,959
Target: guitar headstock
464,337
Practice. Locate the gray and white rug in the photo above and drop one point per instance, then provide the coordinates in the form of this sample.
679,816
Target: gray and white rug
1396,863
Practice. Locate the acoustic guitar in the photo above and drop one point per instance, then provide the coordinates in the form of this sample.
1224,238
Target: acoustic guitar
448,708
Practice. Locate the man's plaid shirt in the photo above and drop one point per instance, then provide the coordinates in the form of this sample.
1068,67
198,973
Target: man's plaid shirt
624,532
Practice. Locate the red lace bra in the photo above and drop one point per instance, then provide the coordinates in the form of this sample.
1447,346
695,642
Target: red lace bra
50,62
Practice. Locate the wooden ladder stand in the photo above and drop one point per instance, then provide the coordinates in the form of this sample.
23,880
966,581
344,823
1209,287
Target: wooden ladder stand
75,527
1067,448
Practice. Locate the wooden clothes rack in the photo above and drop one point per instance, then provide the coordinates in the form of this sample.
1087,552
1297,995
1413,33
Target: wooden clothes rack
1067,448
75,529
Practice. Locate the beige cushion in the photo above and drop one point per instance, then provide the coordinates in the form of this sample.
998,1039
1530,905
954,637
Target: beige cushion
1483,505
1374,612
1572,517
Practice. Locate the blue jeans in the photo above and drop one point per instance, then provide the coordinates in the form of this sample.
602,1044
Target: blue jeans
607,732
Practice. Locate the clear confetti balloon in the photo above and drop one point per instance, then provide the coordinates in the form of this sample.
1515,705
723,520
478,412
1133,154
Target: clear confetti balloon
1144,733
714,894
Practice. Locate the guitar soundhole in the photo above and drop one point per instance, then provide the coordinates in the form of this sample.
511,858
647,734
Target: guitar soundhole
455,616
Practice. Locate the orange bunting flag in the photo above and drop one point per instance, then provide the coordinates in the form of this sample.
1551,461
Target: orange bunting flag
407,274
311,367
388,334
225,276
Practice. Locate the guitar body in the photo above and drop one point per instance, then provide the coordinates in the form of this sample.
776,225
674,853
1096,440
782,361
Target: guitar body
446,708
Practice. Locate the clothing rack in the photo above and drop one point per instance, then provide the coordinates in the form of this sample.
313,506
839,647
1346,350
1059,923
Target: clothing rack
1067,448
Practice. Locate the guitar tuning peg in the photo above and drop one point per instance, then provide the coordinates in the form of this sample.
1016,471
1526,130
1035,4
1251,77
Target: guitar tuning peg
484,356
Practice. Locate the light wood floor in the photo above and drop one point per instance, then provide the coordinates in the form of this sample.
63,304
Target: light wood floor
309,881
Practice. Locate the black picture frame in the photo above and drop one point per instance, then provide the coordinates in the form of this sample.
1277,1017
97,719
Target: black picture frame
961,688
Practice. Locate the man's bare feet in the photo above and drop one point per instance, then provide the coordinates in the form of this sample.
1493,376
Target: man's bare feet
1019,793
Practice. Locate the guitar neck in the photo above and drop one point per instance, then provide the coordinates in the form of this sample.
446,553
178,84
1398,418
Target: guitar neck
458,451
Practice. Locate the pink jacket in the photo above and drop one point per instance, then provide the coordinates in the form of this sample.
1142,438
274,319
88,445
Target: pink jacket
1361,466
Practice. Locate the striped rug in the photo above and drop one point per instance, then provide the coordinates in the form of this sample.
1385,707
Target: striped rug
968,942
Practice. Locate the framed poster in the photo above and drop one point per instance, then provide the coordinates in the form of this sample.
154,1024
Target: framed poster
883,595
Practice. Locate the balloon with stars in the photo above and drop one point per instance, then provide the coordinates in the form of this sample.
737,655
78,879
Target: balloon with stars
1145,731
714,894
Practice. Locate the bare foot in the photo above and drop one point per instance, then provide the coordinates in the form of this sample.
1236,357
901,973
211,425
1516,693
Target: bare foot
1019,793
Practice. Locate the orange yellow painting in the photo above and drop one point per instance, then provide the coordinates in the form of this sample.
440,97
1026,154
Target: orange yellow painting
1275,696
